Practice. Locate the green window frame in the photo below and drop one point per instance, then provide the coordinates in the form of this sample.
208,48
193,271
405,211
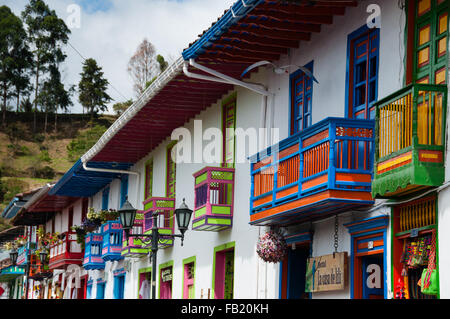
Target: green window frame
229,123
187,261
430,41
168,264
148,187
229,247
171,172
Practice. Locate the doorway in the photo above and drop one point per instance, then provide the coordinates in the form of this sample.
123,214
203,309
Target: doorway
372,277
224,274
293,272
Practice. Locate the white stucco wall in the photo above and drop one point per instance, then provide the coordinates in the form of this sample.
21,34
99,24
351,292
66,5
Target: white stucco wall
253,278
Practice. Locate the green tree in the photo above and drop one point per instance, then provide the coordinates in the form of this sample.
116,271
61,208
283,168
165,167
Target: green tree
26,105
47,34
92,88
163,64
53,95
121,107
14,56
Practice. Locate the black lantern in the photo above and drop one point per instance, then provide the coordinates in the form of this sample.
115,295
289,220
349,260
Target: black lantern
43,256
127,214
183,215
13,256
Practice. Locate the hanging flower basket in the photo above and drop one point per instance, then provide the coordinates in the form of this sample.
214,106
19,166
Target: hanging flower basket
107,215
271,247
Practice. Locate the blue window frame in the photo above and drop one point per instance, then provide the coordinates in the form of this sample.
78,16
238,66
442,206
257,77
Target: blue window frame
105,198
119,286
362,72
301,89
123,189
100,290
89,290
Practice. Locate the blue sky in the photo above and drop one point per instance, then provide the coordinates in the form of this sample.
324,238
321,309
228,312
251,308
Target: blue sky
92,6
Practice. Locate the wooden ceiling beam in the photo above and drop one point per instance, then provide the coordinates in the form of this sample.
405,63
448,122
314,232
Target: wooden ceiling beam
293,17
260,40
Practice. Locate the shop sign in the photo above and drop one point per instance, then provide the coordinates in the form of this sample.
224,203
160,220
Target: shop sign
327,273
166,275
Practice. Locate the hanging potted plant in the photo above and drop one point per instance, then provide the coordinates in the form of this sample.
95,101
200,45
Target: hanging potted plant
81,234
108,215
92,221
11,245
271,247
20,241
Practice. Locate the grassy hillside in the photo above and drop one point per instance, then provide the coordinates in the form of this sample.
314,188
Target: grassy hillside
30,159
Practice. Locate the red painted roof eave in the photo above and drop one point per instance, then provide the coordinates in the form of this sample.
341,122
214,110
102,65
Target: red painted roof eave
251,39
167,111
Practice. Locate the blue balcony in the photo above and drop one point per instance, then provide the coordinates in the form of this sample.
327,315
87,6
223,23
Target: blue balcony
24,252
93,252
112,241
322,171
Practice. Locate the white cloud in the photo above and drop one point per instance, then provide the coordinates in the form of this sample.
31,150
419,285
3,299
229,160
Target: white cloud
112,36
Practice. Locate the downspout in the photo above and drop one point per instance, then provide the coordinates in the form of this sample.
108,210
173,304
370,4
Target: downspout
117,171
255,87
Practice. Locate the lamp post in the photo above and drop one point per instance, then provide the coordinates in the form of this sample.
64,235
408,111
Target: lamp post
13,256
127,214
43,256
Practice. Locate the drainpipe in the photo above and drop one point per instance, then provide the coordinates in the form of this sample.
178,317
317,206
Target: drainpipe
117,171
255,87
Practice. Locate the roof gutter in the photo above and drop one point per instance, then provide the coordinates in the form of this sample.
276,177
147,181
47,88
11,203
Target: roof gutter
238,10
118,171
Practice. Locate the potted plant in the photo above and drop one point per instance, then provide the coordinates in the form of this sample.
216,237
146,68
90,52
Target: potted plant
20,241
107,215
81,234
92,221
11,245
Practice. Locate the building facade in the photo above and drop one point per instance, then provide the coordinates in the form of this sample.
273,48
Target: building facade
336,140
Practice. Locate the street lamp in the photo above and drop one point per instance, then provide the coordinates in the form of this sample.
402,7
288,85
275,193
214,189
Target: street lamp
43,256
13,256
127,214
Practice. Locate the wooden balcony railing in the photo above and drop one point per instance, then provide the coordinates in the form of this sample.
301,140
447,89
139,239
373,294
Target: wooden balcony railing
165,208
112,240
134,247
39,271
410,128
66,253
323,169
93,251
214,199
